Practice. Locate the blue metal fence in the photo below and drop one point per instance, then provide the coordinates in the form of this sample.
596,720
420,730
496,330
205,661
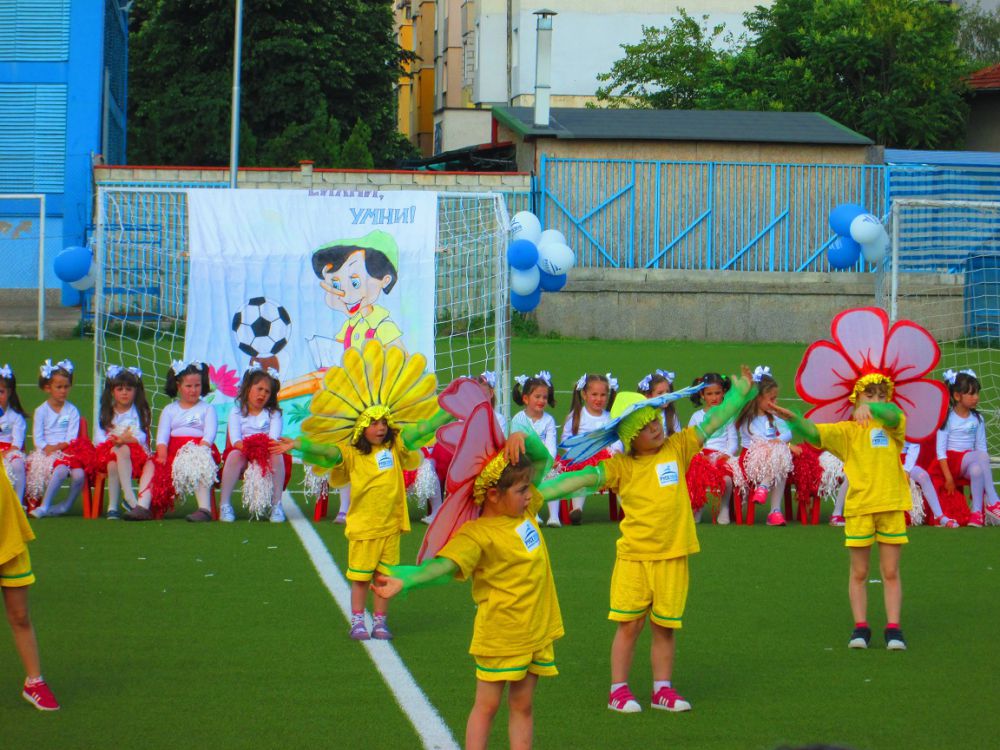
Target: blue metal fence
702,215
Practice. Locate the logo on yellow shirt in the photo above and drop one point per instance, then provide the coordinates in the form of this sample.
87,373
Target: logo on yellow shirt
529,535
667,474
384,460
879,438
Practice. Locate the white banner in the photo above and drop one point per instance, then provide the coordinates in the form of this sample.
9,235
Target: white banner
291,278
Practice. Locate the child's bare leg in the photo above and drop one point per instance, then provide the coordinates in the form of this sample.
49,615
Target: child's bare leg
521,724
477,730
359,595
623,649
15,601
145,485
892,586
857,588
381,606
661,652
123,461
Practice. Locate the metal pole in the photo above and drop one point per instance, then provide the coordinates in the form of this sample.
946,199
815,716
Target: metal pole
41,271
895,215
234,125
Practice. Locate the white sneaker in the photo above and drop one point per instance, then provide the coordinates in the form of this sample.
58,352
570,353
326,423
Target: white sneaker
61,509
37,512
554,522
227,514
427,519
277,514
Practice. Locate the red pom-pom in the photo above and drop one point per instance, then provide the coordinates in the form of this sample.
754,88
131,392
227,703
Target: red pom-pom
256,451
162,492
806,471
954,505
704,476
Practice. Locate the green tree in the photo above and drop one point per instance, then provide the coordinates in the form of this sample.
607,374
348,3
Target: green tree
979,35
890,69
355,153
307,67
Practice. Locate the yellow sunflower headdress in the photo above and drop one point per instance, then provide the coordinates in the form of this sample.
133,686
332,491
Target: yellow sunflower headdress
371,384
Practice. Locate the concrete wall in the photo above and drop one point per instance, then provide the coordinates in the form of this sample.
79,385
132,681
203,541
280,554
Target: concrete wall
722,305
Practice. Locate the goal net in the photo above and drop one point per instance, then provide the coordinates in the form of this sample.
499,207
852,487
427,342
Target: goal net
141,301
943,271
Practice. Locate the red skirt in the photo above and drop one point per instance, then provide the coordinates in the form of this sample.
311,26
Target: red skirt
953,504
79,454
162,489
259,455
104,455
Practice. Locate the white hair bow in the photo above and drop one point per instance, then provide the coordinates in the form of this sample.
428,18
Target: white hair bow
646,382
950,376
545,376
612,382
65,364
521,380
255,365
47,368
135,371
760,371
581,383
114,371
6,372
180,365
668,375
490,378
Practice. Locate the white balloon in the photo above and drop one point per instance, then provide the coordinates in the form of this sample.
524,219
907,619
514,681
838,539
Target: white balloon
524,282
866,228
877,249
556,259
524,225
86,282
551,237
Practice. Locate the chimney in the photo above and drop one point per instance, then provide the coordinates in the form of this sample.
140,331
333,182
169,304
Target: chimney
543,66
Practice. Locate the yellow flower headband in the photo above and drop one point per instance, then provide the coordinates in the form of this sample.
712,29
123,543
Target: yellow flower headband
369,415
870,379
632,425
489,477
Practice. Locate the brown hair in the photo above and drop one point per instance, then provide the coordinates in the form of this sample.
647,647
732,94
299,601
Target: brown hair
364,447
250,379
107,414
750,411
576,405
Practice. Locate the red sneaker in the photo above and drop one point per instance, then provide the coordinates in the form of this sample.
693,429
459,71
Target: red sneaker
775,518
39,695
760,495
993,513
975,520
838,521
668,699
622,701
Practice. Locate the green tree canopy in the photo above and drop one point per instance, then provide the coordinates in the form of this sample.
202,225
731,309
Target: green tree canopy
890,69
310,69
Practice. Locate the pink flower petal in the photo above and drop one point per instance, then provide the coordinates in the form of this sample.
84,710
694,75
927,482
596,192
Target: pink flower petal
832,411
481,440
825,374
861,333
461,396
911,352
924,402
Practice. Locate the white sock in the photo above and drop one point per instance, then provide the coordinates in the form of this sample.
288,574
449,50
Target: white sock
657,684
616,685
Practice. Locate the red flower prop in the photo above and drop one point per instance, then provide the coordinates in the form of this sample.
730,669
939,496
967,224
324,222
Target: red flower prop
225,380
864,345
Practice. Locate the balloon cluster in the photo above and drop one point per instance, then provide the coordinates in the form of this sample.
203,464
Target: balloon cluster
539,261
858,233
75,266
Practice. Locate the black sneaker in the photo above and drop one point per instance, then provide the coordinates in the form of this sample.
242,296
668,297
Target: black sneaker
894,640
860,638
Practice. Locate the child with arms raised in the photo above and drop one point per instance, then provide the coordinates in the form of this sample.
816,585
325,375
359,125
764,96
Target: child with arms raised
122,434
13,428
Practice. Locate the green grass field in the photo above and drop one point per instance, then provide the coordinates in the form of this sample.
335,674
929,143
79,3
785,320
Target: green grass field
221,636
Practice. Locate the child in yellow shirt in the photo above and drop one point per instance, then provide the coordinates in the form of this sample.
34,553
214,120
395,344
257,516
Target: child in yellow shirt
658,531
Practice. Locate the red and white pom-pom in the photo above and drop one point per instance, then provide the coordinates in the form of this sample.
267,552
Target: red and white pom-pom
833,475
40,467
258,491
9,457
193,467
425,484
917,516
766,462
314,485
740,484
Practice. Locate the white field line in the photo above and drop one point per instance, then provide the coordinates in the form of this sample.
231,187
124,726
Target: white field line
433,732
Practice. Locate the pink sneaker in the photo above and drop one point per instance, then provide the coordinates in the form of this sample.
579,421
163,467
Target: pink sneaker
993,513
39,695
946,523
760,495
668,699
775,518
358,630
838,521
975,520
380,631
622,701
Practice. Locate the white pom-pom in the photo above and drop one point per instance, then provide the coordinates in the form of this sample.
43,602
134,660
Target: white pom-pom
193,467
40,467
9,456
424,484
314,485
258,491
833,475
767,462
740,484
917,511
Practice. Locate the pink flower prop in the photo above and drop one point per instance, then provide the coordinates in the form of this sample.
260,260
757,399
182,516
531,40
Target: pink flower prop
225,380
863,343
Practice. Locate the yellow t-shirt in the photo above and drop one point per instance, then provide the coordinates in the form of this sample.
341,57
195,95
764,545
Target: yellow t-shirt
512,586
385,330
378,495
658,524
875,475
15,533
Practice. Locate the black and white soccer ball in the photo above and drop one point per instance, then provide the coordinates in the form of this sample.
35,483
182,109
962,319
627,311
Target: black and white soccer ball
261,327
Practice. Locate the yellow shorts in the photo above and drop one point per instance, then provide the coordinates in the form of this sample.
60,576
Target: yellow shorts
659,587
887,527
17,572
516,668
365,556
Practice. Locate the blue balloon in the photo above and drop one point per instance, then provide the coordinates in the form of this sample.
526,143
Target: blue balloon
550,283
522,254
842,216
843,253
72,264
525,303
